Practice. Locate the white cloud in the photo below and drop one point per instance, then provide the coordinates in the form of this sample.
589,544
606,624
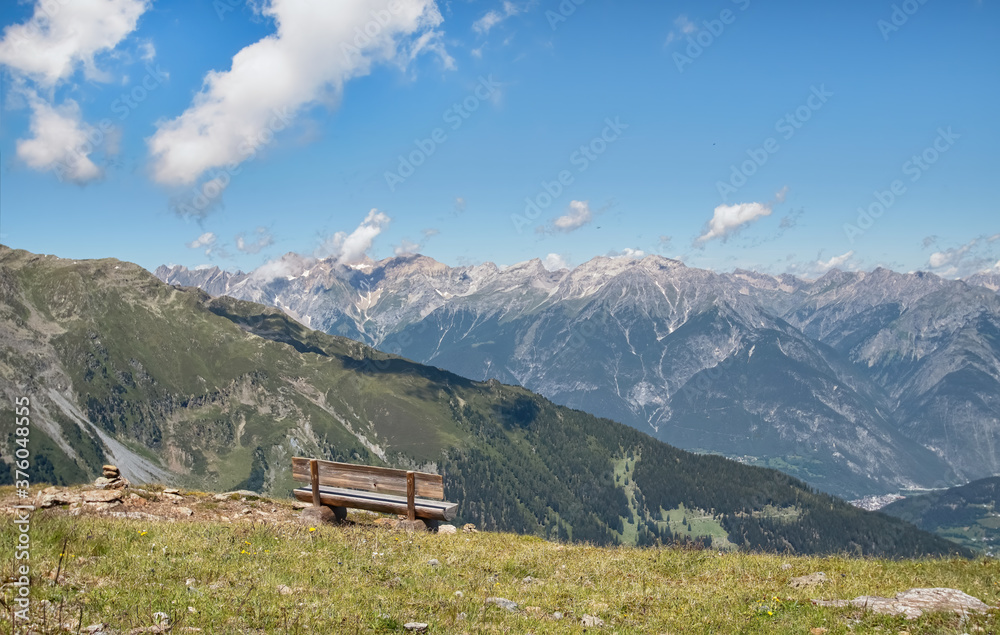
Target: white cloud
628,252
48,48
495,17
314,52
728,218
344,248
939,259
555,262
352,248
206,240
59,141
974,256
579,214
147,51
487,22
682,26
263,239
60,36
407,247
834,262
288,265
813,269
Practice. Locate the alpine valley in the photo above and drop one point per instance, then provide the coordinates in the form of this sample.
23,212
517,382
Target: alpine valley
859,383
176,386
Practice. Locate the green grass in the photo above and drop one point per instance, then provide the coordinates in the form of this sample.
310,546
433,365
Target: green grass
993,522
365,578
699,523
624,469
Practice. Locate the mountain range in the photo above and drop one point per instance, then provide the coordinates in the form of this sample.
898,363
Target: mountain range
859,383
176,386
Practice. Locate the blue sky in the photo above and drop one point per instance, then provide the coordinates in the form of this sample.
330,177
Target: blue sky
779,136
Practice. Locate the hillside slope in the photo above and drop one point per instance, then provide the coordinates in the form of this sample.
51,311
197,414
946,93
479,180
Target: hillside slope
968,515
173,385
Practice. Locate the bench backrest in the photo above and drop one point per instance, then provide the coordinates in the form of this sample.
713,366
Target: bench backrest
366,477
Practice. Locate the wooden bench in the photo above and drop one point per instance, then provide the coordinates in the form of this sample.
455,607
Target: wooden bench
378,489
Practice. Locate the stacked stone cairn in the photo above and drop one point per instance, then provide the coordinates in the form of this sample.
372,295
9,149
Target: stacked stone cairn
112,478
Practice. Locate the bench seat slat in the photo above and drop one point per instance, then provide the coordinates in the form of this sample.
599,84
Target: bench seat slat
386,503
367,477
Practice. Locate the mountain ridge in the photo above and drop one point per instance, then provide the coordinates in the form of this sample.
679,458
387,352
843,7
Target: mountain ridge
607,337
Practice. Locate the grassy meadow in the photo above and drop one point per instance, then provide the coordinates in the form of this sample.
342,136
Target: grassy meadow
251,567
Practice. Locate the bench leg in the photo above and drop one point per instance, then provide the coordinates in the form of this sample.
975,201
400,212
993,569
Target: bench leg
314,481
339,512
411,481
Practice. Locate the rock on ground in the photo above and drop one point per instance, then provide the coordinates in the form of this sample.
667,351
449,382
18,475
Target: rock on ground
503,603
411,525
101,496
51,496
317,515
240,493
812,579
915,602
590,620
